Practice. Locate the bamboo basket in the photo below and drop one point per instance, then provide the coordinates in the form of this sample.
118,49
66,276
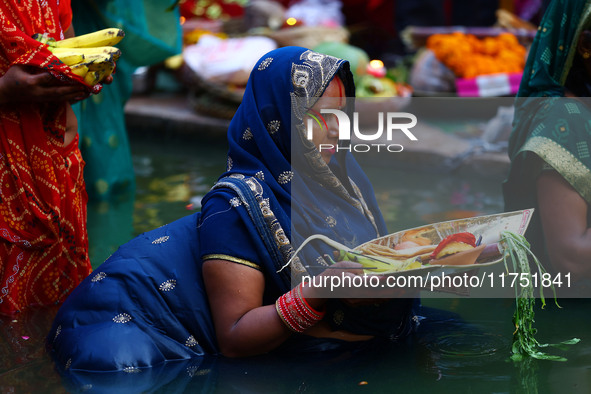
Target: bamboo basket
309,36
208,98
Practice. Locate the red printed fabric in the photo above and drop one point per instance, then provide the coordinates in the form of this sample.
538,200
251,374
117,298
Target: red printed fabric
43,239
65,14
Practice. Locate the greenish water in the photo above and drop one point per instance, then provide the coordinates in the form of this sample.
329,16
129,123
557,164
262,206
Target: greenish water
464,348
171,177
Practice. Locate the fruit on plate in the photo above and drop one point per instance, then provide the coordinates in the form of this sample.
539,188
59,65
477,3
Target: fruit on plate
378,265
370,86
453,244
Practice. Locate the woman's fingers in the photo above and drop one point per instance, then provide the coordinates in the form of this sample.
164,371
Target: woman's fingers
33,84
347,279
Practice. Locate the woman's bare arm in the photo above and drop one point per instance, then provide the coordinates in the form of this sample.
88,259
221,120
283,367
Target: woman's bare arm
244,327
564,218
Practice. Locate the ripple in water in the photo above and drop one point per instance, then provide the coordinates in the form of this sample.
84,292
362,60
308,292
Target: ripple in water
471,344
456,349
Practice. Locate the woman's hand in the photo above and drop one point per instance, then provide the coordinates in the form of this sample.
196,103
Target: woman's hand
334,282
348,281
25,84
108,80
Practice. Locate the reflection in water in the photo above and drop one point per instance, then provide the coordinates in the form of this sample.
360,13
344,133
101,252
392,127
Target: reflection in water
420,363
467,351
447,354
24,365
169,180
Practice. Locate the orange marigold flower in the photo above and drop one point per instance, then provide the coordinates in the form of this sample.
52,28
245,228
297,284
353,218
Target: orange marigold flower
467,56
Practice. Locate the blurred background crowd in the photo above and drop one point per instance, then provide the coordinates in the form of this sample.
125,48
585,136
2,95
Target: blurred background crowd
395,47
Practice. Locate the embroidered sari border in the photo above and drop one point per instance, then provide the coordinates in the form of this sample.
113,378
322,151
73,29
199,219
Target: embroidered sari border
232,259
563,161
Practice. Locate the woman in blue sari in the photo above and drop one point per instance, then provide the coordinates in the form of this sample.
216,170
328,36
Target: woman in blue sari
227,280
303,191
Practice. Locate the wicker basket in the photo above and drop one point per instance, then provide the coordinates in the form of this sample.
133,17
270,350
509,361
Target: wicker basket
208,98
209,105
200,85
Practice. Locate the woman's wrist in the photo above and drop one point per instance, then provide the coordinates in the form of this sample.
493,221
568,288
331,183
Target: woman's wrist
296,312
312,296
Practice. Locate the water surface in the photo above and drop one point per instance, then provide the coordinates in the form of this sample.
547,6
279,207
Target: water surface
462,348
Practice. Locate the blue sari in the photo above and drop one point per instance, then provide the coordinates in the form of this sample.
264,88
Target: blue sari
147,306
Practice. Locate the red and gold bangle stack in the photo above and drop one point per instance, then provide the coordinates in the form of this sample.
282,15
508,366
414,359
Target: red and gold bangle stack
295,312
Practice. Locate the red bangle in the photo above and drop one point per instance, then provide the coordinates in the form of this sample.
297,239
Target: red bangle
313,312
295,312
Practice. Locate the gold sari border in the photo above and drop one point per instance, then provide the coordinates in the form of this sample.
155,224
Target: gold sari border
233,259
563,161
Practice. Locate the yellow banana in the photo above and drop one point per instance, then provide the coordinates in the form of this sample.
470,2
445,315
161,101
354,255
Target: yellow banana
97,76
92,78
70,58
373,265
396,266
79,69
98,58
89,52
105,37
103,67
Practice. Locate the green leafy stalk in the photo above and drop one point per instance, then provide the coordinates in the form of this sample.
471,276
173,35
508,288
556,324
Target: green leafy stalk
515,253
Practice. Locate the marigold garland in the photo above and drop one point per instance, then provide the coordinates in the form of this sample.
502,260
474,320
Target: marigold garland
468,56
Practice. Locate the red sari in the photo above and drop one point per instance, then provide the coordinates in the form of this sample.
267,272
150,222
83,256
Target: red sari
43,238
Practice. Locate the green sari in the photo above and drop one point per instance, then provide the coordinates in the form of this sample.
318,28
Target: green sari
551,130
151,35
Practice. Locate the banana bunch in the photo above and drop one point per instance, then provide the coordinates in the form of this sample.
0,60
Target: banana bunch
91,56
381,265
